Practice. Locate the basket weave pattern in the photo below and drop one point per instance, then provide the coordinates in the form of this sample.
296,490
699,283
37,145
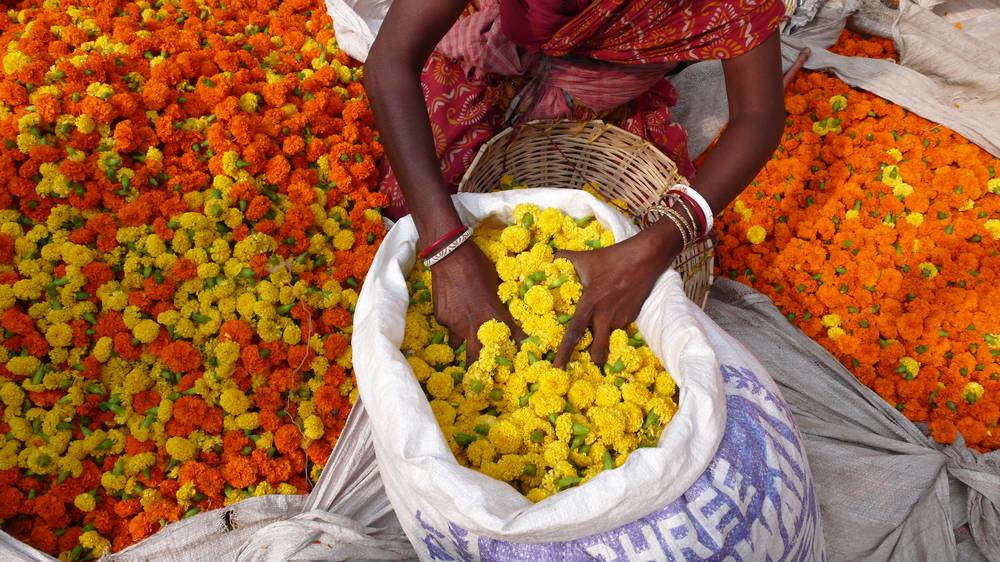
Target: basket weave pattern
570,154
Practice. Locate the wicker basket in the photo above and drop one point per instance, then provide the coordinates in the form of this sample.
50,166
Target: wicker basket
569,154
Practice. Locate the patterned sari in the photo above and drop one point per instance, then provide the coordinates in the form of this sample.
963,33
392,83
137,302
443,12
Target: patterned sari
579,59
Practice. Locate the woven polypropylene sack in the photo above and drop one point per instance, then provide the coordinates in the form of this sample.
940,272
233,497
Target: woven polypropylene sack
727,479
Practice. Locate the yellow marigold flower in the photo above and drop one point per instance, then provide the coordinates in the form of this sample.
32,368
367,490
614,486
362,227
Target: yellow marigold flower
506,437
507,291
59,335
835,332
291,335
140,462
607,395
234,401
181,448
608,421
972,391
14,61
536,495
313,427
508,269
916,219
515,238
146,330
421,370
444,412
343,240
993,227
438,354
248,102
23,365
902,189
539,299
571,291
993,185
11,394
545,403
756,234
103,349
928,270
440,385
831,320
95,542
85,502
113,482
28,289
741,209
581,394
909,367
555,452
550,221
636,393
554,381
493,332
481,451
665,385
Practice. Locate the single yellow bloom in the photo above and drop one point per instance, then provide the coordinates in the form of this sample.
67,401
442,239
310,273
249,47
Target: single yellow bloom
756,234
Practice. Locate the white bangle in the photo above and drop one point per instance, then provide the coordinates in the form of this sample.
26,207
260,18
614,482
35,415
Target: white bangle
451,247
705,209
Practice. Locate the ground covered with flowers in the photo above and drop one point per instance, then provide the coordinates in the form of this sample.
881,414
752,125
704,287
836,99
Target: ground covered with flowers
187,212
876,232
511,414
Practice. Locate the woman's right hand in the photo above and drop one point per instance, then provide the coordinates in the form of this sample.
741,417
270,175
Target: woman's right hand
464,288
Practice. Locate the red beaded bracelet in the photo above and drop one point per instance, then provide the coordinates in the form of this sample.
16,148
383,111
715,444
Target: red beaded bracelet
443,240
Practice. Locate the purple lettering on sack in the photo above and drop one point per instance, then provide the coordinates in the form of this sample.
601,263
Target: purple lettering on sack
754,502
432,540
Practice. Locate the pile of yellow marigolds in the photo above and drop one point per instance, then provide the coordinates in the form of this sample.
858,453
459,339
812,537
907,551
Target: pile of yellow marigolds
511,414
876,232
188,209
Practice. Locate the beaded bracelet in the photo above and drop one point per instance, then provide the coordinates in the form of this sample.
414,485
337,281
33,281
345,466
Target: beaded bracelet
451,247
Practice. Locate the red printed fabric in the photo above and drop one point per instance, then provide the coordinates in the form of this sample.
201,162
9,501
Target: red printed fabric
656,31
472,77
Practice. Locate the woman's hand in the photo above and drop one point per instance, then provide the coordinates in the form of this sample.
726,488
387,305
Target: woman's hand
465,296
616,281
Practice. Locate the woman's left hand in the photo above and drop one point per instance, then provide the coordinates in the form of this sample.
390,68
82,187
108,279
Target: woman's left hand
616,281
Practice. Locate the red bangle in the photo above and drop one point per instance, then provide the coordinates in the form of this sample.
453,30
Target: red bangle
693,205
443,240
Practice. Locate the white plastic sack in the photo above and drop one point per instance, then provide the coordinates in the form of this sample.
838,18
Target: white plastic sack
715,486
356,23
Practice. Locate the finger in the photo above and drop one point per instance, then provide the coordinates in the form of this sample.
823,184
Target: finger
573,334
602,336
516,333
473,347
574,258
454,340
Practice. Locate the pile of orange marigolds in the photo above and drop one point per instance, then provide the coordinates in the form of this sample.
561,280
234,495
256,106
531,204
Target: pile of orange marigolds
188,210
876,232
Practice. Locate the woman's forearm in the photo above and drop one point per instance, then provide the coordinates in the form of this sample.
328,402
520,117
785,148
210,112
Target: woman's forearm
392,78
401,116
756,118
743,149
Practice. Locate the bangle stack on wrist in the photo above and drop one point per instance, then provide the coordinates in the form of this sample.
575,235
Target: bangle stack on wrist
687,209
445,245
